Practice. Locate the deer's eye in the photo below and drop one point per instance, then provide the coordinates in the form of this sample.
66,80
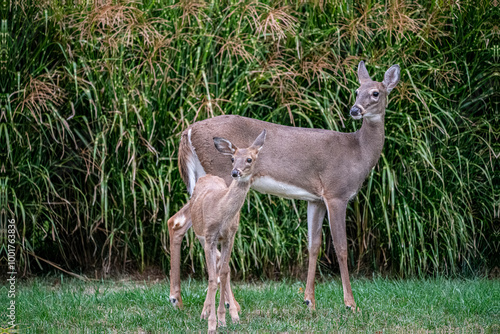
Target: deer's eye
375,93
232,159
249,160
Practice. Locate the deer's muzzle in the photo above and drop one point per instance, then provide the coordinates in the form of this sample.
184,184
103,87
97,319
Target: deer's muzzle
355,112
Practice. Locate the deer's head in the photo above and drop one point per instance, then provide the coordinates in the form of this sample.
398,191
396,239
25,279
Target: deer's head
371,96
243,159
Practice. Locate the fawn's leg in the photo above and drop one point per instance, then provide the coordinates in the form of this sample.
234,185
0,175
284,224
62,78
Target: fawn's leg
230,296
209,306
226,249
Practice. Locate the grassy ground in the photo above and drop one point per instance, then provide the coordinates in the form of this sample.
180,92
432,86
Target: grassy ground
94,96
386,305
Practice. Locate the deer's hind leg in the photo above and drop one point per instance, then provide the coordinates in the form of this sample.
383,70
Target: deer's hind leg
178,225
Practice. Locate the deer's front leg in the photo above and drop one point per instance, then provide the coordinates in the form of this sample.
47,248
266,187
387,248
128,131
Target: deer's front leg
229,293
336,216
226,250
230,297
178,225
209,306
315,216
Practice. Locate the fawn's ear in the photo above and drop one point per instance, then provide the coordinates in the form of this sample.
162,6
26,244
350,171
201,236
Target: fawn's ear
363,75
259,141
391,77
224,146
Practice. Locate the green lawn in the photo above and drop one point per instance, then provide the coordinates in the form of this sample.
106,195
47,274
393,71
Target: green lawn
386,305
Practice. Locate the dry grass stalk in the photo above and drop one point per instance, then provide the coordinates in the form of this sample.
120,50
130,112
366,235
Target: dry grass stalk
40,94
111,25
363,26
400,19
191,9
276,22
236,47
322,64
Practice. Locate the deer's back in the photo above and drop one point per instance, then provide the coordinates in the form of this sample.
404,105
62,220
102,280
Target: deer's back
291,156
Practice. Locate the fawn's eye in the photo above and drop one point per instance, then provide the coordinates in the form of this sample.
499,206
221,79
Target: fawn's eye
232,159
375,93
249,160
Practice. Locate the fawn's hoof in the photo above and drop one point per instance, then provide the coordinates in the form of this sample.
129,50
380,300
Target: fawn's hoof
352,308
205,312
175,302
310,304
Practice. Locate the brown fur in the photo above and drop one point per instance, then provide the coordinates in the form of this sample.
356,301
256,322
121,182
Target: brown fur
330,166
215,212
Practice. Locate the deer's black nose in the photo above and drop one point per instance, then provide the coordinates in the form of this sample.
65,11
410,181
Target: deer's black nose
355,111
234,173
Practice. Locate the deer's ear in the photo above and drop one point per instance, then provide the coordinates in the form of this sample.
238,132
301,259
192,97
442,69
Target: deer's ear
391,77
259,141
363,75
224,146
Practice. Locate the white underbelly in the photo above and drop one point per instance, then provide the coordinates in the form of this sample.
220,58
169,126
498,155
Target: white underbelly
268,185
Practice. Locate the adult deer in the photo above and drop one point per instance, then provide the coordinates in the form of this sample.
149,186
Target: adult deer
325,168
215,212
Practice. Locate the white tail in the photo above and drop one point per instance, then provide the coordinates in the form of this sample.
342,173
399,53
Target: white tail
324,167
215,213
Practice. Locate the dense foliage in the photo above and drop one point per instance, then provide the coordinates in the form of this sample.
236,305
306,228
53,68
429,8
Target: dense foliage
95,94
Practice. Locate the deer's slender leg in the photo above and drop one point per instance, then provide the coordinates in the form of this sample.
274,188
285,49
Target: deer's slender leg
229,293
221,311
336,216
209,306
178,225
230,296
226,249
315,216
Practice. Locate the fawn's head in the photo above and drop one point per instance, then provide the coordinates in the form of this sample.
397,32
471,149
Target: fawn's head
243,159
371,96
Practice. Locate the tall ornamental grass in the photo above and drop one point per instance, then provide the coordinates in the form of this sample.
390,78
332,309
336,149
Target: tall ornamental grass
95,94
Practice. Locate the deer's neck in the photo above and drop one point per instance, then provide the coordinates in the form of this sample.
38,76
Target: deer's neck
235,196
371,139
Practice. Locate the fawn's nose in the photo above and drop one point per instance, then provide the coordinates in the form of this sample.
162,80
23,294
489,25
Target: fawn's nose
235,173
355,111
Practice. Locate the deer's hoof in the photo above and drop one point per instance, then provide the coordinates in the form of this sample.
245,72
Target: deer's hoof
310,304
227,305
212,326
175,302
352,308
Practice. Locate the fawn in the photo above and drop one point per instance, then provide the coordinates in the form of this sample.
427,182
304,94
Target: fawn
215,213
